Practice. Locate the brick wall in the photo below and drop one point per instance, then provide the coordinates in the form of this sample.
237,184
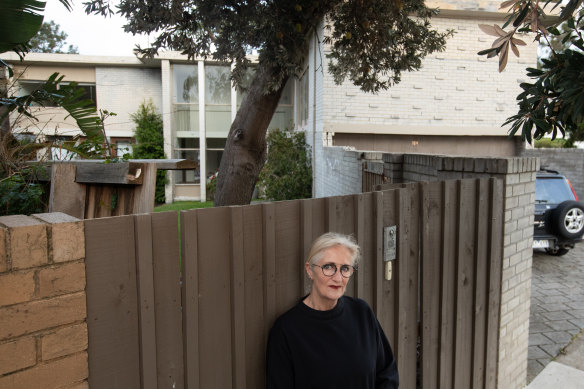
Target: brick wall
122,90
518,175
569,162
43,330
455,88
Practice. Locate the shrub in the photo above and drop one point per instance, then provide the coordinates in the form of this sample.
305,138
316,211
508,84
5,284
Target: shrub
150,142
287,174
21,196
547,143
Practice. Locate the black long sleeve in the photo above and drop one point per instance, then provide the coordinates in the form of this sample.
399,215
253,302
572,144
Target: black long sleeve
341,348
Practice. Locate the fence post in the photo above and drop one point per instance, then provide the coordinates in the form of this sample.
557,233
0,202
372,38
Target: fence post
43,329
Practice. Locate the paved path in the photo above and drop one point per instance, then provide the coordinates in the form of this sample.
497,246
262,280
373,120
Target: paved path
557,306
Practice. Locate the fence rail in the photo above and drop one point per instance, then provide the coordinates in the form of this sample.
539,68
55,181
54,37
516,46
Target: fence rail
188,303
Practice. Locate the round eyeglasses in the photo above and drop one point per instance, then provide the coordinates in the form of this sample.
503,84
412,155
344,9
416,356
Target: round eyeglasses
330,269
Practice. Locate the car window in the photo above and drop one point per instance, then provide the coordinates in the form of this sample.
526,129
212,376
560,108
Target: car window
553,190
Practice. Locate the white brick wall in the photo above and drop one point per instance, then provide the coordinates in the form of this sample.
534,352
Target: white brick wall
454,88
122,90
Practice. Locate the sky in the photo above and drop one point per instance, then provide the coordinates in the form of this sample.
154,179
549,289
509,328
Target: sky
92,34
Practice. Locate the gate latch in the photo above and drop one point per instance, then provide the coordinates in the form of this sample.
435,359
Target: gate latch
389,249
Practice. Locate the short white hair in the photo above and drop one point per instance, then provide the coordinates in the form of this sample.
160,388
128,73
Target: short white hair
331,239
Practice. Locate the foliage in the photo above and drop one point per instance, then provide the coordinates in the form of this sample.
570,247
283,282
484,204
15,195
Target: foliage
547,143
21,194
287,174
50,39
150,142
212,186
554,102
183,206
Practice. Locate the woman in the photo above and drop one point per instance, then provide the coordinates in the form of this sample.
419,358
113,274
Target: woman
328,340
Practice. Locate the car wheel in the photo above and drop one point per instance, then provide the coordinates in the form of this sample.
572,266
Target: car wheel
568,220
557,252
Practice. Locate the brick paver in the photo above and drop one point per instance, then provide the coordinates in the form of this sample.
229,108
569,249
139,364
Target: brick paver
557,306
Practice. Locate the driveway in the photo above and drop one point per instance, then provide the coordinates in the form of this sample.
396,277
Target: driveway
557,306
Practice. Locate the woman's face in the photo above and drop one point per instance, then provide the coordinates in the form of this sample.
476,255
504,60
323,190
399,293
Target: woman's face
327,290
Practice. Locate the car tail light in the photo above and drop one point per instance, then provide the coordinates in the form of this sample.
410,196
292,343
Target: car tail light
573,191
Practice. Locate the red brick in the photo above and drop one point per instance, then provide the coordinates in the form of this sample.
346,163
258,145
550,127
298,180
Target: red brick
16,287
65,341
3,252
26,318
28,241
61,279
55,374
17,355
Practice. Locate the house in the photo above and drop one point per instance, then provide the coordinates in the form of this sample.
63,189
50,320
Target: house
454,105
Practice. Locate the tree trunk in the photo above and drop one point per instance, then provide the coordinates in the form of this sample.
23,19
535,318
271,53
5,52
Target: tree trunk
5,123
245,149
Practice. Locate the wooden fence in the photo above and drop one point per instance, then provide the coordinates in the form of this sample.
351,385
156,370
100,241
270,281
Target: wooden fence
192,309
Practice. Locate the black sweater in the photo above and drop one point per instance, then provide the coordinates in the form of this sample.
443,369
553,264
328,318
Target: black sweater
341,348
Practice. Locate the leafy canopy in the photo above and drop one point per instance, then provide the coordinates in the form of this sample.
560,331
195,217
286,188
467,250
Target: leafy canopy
50,39
373,40
554,102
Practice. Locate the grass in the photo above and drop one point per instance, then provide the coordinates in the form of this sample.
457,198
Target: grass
183,205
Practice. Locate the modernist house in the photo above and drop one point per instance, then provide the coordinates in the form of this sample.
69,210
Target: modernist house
454,105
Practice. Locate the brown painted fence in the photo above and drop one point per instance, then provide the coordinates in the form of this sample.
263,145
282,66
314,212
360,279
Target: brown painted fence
243,266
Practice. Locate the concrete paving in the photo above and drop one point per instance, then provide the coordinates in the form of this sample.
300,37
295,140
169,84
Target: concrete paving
557,315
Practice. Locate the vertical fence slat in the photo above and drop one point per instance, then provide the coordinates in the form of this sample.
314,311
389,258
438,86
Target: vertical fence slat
465,286
481,287
430,282
288,254
255,326
214,298
408,285
190,299
307,237
388,317
378,265
495,254
167,294
112,313
237,298
269,250
143,239
447,291
363,240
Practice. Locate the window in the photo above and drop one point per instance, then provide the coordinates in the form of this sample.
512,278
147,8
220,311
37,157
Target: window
215,147
187,148
26,87
186,98
57,152
217,101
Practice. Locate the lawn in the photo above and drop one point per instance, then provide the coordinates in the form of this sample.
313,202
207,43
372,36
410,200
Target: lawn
183,205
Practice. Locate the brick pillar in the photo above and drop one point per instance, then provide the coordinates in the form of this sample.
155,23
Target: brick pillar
43,329
516,272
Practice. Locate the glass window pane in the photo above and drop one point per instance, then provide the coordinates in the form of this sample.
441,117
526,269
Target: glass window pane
216,143
217,85
552,191
241,93
186,117
286,98
186,83
187,143
28,87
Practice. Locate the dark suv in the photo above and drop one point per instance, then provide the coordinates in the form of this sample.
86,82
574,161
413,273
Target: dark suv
559,217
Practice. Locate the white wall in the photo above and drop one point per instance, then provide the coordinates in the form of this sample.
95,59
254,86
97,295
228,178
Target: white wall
122,90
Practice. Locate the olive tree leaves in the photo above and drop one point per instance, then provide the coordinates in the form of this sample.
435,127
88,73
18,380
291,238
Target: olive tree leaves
501,45
554,102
